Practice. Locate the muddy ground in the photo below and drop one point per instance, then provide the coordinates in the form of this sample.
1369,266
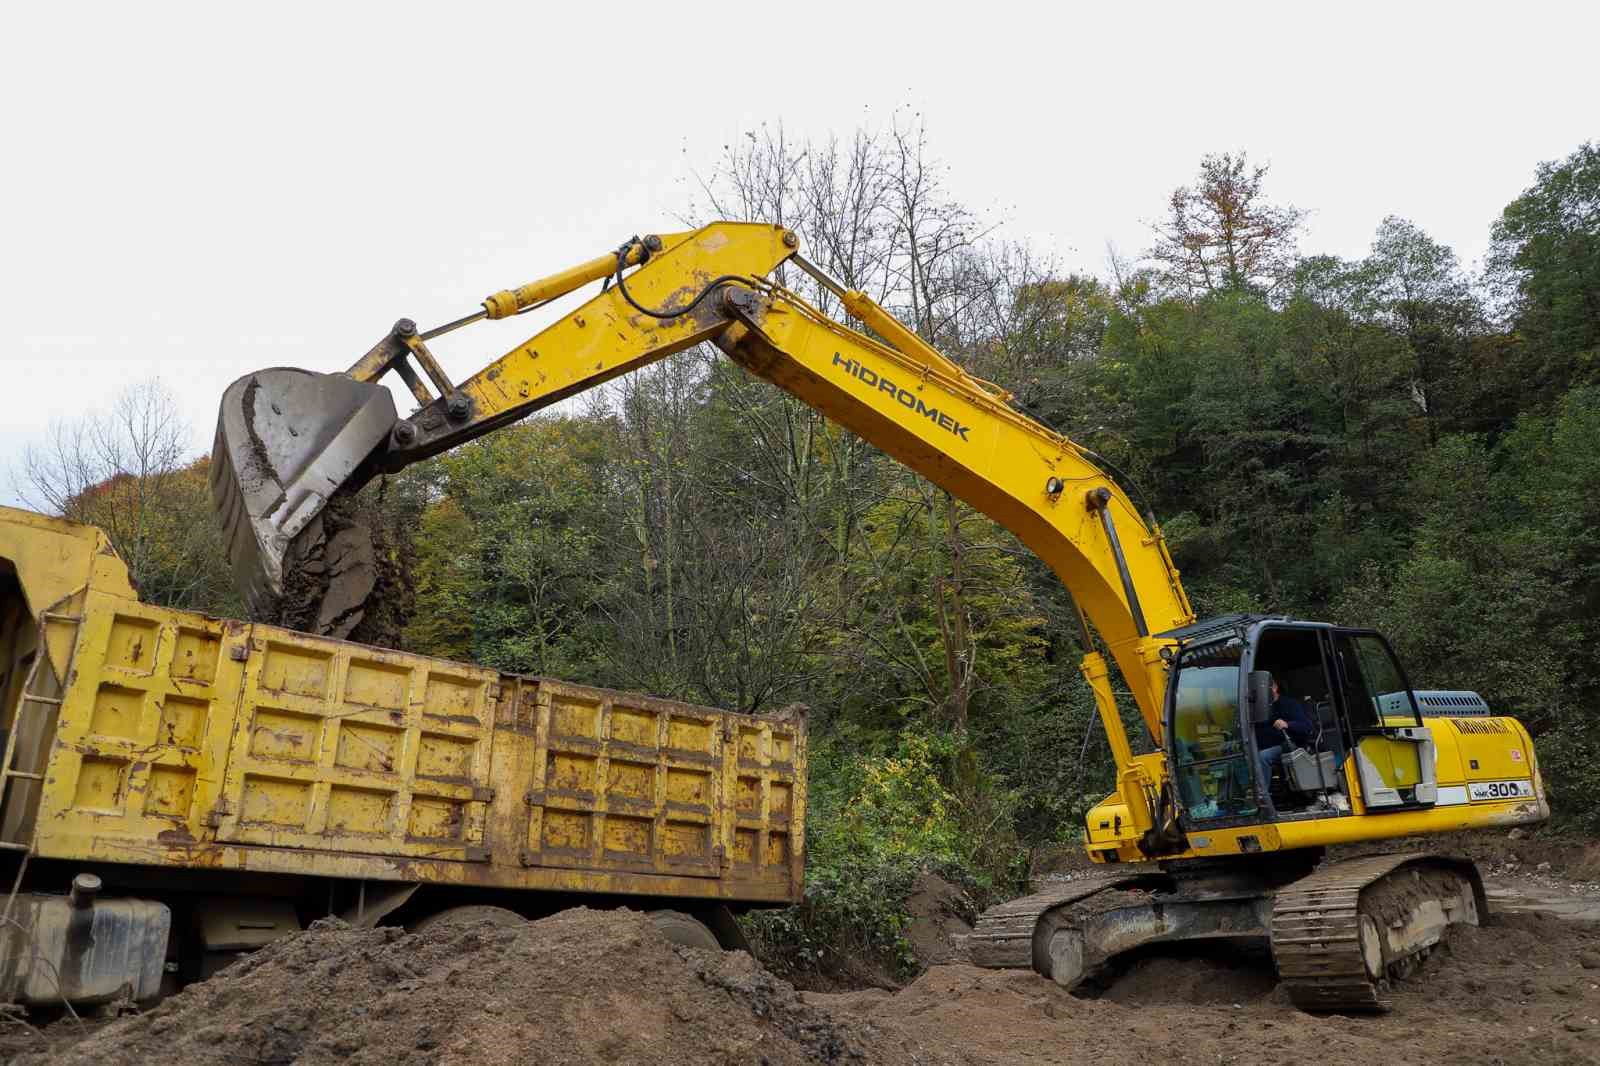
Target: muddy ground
582,987
603,987
1516,992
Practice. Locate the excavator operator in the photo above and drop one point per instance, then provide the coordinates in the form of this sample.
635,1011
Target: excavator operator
1289,719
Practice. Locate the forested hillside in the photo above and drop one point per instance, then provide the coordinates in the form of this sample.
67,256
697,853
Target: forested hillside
1391,440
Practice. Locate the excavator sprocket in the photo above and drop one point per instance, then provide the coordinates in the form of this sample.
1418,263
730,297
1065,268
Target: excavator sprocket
1340,934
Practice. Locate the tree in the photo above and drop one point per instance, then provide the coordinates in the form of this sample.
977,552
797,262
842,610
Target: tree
882,219
1423,297
128,471
933,240
1221,235
1499,590
1546,257
513,566
1051,347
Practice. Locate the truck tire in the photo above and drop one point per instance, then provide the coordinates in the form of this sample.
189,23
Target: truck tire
685,931
499,917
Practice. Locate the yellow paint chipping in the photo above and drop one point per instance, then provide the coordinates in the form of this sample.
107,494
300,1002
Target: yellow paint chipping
187,741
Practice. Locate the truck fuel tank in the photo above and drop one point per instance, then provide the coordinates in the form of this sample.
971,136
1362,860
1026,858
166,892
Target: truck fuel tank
83,949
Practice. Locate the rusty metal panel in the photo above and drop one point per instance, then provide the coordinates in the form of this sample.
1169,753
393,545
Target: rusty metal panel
765,774
622,782
350,748
144,728
625,782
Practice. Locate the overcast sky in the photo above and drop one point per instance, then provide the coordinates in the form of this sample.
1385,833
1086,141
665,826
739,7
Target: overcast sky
194,191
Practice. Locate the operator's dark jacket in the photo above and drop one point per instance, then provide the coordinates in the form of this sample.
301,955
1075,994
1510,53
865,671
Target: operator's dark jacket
1302,726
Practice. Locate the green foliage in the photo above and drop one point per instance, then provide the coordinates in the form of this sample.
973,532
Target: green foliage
874,820
512,565
1054,760
1547,252
898,624
1499,590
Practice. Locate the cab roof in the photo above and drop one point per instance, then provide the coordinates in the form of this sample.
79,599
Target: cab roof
1223,624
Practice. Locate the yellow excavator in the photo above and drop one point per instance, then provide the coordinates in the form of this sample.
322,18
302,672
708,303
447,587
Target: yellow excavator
1205,837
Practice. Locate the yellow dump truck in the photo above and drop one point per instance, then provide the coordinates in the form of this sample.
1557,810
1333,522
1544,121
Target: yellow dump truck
178,788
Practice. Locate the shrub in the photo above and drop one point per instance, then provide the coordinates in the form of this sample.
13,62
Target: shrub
874,821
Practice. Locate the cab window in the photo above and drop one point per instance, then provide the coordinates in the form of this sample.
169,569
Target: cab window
1210,760
1293,656
1375,690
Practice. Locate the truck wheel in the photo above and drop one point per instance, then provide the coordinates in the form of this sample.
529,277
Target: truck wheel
499,917
681,929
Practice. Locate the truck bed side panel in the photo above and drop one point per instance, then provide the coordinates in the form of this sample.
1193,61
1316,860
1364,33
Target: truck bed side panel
348,748
194,742
143,731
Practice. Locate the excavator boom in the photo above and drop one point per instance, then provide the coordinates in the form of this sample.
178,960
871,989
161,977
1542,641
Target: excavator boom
293,440
290,442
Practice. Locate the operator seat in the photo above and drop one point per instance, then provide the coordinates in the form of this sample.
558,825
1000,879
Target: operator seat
1313,768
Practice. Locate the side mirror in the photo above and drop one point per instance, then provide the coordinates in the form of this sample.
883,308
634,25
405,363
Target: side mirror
1260,694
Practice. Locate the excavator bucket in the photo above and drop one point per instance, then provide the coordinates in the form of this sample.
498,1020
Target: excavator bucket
287,441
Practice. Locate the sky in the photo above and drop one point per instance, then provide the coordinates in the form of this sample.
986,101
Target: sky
195,191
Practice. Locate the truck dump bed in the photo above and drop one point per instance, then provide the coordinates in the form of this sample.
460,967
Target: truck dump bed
170,739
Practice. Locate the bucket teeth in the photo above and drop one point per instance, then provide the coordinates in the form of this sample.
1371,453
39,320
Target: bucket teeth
287,441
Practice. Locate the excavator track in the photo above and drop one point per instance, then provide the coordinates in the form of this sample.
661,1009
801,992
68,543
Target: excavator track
1340,934
1003,937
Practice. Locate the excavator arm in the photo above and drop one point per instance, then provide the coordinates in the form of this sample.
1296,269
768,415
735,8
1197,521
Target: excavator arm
712,284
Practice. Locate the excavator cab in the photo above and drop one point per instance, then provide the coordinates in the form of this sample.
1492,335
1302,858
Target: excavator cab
1368,743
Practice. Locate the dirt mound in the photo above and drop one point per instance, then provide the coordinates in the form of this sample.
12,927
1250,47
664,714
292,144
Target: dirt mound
581,987
1216,977
941,920
1514,992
